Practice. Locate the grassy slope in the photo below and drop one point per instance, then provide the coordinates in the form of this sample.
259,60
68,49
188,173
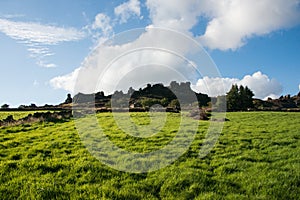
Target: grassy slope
257,157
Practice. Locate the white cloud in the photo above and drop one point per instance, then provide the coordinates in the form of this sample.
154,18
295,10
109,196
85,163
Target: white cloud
10,16
38,37
272,96
136,58
234,21
262,85
36,83
45,64
259,83
127,10
101,29
102,22
230,22
214,86
39,52
38,33
66,82
178,15
299,87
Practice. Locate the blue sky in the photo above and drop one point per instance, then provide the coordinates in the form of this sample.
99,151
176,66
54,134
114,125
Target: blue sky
44,42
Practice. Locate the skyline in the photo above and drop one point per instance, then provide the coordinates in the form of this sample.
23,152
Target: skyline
42,42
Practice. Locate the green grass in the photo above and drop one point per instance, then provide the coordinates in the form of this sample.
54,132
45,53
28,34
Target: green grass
17,114
256,157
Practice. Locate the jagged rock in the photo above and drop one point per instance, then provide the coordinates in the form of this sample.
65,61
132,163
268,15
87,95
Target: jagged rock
38,116
200,114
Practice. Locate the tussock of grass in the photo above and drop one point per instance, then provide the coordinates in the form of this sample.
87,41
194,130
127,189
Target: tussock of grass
256,157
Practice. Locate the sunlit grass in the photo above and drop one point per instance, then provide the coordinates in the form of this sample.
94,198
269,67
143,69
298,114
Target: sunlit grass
17,115
256,157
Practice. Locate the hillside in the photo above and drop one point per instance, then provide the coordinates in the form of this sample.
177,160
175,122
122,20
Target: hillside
256,157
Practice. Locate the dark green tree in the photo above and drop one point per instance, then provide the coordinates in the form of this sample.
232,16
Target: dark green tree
239,98
242,97
233,99
164,102
69,99
248,98
148,102
4,106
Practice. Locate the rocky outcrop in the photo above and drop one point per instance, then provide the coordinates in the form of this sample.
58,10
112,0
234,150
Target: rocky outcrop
38,117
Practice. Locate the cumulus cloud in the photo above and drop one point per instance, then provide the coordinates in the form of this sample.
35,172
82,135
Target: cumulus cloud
102,27
233,22
39,37
262,85
259,83
230,22
139,57
66,82
178,15
214,86
127,10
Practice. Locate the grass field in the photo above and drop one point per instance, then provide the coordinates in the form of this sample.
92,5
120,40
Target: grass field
17,115
256,157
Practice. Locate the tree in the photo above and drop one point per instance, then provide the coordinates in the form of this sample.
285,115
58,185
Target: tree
248,98
239,98
22,107
33,105
164,102
148,102
232,99
69,99
4,106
